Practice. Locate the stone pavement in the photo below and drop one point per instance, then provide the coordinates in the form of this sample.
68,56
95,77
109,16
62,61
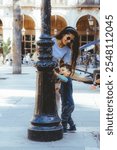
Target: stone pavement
17,94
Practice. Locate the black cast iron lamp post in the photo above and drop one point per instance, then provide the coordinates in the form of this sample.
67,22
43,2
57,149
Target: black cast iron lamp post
45,125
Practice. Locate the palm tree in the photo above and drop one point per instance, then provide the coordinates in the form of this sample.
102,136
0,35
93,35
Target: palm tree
16,48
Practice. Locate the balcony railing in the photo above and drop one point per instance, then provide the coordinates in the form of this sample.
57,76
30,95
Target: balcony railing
56,3
59,2
6,3
88,3
27,2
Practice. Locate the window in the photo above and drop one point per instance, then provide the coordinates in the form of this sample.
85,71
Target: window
84,39
29,44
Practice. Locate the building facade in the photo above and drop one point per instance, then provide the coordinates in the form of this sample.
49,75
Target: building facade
83,15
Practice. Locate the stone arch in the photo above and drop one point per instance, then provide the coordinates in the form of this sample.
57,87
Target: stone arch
1,33
28,24
28,35
94,14
1,24
57,24
88,29
88,23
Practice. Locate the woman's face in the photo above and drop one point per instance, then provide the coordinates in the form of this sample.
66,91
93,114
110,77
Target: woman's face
67,38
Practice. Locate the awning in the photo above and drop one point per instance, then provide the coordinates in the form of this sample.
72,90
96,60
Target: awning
89,44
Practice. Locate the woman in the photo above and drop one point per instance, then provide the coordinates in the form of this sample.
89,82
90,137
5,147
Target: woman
66,48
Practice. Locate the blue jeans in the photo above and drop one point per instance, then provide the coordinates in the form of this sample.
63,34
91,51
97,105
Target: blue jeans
67,103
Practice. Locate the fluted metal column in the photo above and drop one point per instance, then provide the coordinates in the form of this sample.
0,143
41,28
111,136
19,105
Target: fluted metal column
45,125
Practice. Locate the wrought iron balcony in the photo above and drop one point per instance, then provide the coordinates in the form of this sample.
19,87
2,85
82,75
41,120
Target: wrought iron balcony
88,3
56,3
27,2
59,2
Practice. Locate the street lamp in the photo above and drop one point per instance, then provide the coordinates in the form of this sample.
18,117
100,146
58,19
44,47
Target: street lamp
55,31
23,29
55,26
23,34
45,125
90,20
87,31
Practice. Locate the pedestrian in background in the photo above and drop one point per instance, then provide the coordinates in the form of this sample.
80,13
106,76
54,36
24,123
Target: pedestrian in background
1,59
9,58
35,56
28,58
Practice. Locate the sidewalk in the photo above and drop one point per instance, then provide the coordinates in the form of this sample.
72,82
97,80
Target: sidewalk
17,95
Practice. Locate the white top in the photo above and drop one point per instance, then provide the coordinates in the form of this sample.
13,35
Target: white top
61,53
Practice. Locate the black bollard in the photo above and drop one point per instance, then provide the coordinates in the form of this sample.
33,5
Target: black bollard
46,124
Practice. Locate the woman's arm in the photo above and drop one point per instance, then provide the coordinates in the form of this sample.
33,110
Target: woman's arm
79,78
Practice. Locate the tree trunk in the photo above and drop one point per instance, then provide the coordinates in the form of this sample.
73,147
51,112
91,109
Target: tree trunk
16,49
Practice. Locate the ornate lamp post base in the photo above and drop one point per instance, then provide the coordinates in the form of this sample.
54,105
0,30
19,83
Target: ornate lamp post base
45,128
45,133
